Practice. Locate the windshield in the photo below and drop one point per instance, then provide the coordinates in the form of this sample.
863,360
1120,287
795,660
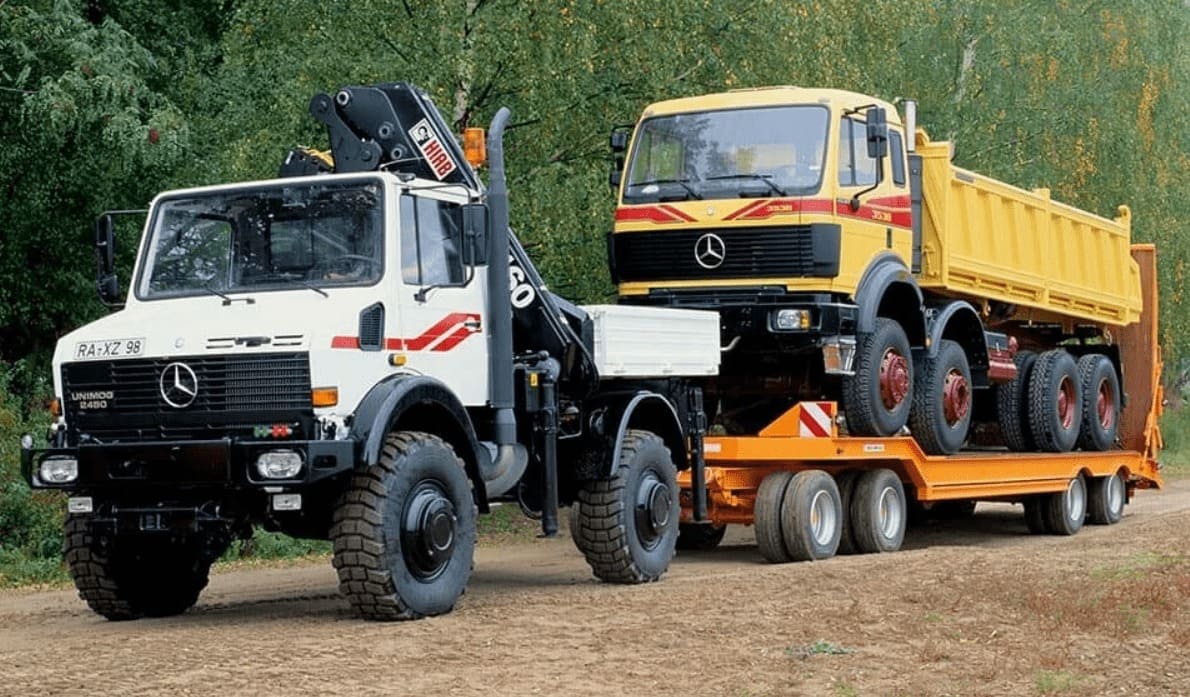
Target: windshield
267,238
768,151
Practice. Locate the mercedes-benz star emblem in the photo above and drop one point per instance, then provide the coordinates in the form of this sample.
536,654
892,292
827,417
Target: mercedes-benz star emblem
179,385
710,251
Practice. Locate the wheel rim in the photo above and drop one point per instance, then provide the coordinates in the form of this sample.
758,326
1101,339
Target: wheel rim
428,530
654,510
956,397
1076,500
1066,402
822,518
890,513
1115,494
894,379
1106,405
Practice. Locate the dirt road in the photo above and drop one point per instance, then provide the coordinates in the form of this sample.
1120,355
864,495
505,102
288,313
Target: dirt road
977,607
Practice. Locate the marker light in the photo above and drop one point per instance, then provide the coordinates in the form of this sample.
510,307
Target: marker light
279,464
325,396
474,146
55,407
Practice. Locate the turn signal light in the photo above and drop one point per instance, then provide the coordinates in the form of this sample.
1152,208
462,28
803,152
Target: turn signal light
55,407
325,396
475,146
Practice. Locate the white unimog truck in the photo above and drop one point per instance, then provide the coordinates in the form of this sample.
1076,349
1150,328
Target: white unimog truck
360,351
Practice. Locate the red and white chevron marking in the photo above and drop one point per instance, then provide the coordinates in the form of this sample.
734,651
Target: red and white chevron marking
814,419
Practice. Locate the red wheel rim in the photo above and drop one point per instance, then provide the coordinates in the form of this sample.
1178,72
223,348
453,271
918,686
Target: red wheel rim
894,379
1106,405
1066,402
956,397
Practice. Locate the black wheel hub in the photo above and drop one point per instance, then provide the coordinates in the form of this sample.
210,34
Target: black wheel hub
428,530
654,502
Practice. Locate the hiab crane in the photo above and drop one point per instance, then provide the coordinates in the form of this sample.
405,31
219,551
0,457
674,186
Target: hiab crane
360,351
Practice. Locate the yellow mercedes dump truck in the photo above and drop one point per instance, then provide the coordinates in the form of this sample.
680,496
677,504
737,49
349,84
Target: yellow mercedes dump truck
851,261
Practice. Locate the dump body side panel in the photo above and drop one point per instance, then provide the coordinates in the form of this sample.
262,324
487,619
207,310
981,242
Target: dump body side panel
984,239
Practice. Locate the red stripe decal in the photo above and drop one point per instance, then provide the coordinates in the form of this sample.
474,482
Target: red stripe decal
745,209
452,327
811,423
677,213
649,214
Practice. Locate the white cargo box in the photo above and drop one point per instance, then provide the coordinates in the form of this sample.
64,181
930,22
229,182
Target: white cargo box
654,341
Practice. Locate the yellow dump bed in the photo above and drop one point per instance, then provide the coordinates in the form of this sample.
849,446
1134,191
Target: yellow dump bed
984,239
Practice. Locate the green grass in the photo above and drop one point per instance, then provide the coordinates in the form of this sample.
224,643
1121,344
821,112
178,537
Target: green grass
1175,430
1051,682
822,647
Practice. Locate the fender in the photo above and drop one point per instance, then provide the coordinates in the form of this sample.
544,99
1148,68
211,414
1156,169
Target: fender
959,321
418,403
888,277
646,410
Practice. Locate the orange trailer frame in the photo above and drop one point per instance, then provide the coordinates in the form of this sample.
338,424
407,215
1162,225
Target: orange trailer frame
807,437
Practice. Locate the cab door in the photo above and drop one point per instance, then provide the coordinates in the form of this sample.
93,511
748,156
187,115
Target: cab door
442,315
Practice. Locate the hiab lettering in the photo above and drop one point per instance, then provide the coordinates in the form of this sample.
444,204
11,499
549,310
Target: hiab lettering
432,149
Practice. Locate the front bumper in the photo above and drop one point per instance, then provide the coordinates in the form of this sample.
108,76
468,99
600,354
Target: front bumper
189,463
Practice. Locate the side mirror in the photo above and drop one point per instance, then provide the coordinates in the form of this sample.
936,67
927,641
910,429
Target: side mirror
109,290
877,133
618,142
475,233
105,244
106,282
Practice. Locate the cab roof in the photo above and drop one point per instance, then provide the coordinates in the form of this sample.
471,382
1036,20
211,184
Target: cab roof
769,96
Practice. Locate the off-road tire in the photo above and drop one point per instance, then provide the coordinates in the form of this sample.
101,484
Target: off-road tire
1053,370
1012,405
799,519
1106,497
1065,512
1096,373
378,569
878,512
863,406
766,516
618,547
136,575
699,537
928,421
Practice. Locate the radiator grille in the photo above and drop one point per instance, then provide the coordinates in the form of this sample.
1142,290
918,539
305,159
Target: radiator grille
123,399
670,255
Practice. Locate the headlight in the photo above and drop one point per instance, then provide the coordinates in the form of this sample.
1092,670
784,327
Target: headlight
279,464
790,319
58,470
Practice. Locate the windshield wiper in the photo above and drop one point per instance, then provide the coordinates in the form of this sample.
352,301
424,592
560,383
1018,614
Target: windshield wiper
227,299
684,183
766,178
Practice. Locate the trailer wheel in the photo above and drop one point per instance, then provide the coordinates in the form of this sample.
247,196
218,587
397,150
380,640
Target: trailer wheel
699,537
1065,512
811,516
1106,497
1101,402
878,512
941,414
845,480
404,531
1055,404
1012,405
1035,514
766,514
135,575
877,398
628,524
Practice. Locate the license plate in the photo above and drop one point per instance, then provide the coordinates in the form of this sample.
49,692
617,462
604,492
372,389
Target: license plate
115,348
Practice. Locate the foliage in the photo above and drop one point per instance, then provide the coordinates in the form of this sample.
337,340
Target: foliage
83,132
